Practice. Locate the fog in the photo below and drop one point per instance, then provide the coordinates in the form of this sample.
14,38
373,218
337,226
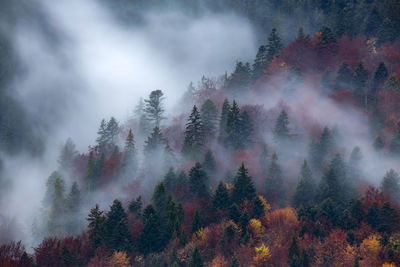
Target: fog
85,66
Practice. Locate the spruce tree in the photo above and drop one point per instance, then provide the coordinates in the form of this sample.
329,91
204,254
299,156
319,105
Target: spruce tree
344,77
154,109
240,79
360,81
117,236
73,199
258,207
391,185
56,223
305,190
243,187
221,199
195,259
143,123
159,199
246,130
96,227
209,164
151,238
263,159
233,129
135,205
67,156
129,160
274,46
392,84
380,75
112,130
281,130
194,135
170,180
103,137
294,254
223,122
154,142
198,181
197,222
209,116
274,181
260,63
91,173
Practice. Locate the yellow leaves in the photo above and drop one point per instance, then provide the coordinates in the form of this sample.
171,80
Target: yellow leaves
388,265
263,254
201,237
267,206
370,246
219,261
256,229
119,259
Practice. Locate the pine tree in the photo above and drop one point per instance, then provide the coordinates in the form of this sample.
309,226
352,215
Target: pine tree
112,130
260,63
91,173
209,113
143,123
67,155
174,218
195,259
223,122
246,130
209,164
243,187
391,184
194,135
96,227
388,219
258,207
159,199
221,199
73,199
332,183
294,253
274,46
281,130
155,141
274,181
344,77
103,137
305,190
50,187
57,208
360,80
198,181
151,238
117,236
154,108
380,75
170,180
233,129
129,160
395,142
197,222
373,23
135,205
240,79
68,259
354,166
263,159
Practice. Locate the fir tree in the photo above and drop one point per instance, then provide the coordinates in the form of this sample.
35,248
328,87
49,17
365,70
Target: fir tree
209,113
154,109
91,173
159,199
380,75
209,164
170,180
135,205
155,141
129,160
103,137
392,84
140,114
73,199
57,208
281,130
263,159
274,181
117,236
197,222
246,130
198,181
67,155
274,46
294,253
305,190
112,130
240,79
195,259
258,207
233,129
360,80
194,134
391,184
221,199
260,63
223,122
151,238
96,227
243,187
344,77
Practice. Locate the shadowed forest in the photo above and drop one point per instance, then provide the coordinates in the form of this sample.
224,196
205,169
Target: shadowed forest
288,158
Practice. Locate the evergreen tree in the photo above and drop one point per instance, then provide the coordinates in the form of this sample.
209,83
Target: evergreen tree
373,23
198,181
233,129
209,113
373,215
195,259
221,199
73,199
240,79
395,142
223,122
327,42
281,130
274,46
263,159
258,207
392,84
246,130
129,160
57,208
103,137
67,258
170,180
140,114
67,156
209,164
112,130
154,109
235,262
243,187
388,219
354,166
294,253
159,199
117,236
391,184
360,80
234,213
155,141
380,75
174,218
194,134
135,205
91,173
96,227
197,222
274,181
305,190
344,77
151,238
260,63
48,196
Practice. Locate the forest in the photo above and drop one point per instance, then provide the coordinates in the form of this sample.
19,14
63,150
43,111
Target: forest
292,158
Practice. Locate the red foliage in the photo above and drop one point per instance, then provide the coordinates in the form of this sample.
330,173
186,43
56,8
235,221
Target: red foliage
48,253
13,254
344,97
299,54
175,132
111,169
136,229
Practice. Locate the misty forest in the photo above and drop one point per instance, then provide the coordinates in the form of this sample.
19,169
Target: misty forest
199,133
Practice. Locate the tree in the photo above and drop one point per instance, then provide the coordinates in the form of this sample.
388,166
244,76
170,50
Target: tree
373,23
395,142
388,219
233,127
57,208
344,77
154,108
151,238
136,205
281,130
195,259
239,80
246,130
243,187
274,181
129,160
197,222
380,74
112,130
391,184
92,173
263,159
198,180
209,164
220,198
305,190
294,253
140,114
73,199
103,137
159,199
223,122
260,63
170,180
117,236
67,155
274,46
360,80
155,141
392,84
194,134
96,227
209,113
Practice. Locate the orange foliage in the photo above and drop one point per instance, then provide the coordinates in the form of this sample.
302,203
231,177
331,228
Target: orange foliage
119,259
369,250
219,261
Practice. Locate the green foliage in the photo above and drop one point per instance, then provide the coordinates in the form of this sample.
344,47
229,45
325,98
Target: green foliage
223,122
195,259
391,184
243,187
274,46
260,63
305,190
274,181
151,237
197,222
209,113
221,199
209,164
281,130
96,227
395,142
194,135
240,79
117,236
198,181
154,109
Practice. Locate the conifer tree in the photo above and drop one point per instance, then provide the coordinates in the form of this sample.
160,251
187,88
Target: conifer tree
240,79
258,207
380,75
129,160
194,134
198,180
243,187
274,181
174,218
143,123
221,199
223,122
117,236
57,208
170,180
155,141
135,205
246,130
392,84
73,199
263,159
91,173
96,227
391,184
260,63
159,199
197,222
360,81
344,77
209,113
67,155
103,137
305,190
154,109
195,259
151,238
274,46
209,164
112,130
395,142
281,130
233,129
294,253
